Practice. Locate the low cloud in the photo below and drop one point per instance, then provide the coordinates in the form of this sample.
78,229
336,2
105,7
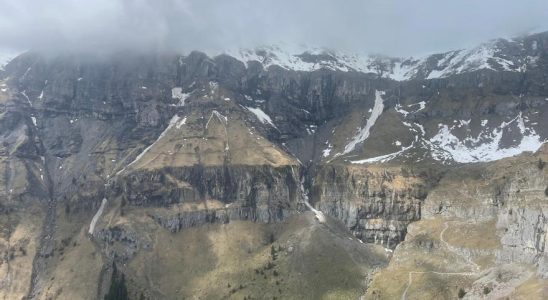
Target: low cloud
402,28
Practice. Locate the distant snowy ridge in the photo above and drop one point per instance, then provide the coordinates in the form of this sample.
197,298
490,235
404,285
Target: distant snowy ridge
500,55
493,55
301,58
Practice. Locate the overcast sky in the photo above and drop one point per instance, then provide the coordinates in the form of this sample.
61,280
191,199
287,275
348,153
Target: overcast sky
402,28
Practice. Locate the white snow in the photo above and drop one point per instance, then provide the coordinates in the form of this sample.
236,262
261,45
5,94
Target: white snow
296,57
422,105
41,95
97,216
177,93
33,120
327,151
311,129
421,128
363,134
181,123
400,110
462,123
174,120
213,86
484,56
219,116
534,45
261,115
319,215
436,74
485,147
382,158
24,93
406,69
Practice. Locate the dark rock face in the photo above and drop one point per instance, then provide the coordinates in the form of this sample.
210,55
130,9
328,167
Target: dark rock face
255,193
228,184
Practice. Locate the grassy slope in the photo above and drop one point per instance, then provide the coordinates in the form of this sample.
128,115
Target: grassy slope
233,261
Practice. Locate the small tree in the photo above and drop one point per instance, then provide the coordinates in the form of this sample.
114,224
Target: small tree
461,293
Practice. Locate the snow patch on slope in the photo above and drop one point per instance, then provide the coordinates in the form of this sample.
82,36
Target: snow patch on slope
363,134
219,116
327,151
261,115
177,93
173,122
485,56
319,214
382,158
486,147
97,216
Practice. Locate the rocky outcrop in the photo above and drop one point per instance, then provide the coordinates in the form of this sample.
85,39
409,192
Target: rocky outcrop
375,203
255,193
523,220
524,237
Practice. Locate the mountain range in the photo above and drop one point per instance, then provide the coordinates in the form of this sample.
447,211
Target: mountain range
276,172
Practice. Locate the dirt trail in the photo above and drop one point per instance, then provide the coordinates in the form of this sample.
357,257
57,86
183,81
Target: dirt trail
452,250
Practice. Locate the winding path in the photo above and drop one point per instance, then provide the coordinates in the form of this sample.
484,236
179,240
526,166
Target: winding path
452,250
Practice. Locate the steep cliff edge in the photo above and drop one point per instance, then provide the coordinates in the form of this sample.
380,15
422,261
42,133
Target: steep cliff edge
376,203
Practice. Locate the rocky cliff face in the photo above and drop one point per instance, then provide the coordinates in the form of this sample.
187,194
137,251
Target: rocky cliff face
483,228
120,157
375,203
256,193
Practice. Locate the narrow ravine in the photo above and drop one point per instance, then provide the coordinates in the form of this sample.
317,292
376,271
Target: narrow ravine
46,243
